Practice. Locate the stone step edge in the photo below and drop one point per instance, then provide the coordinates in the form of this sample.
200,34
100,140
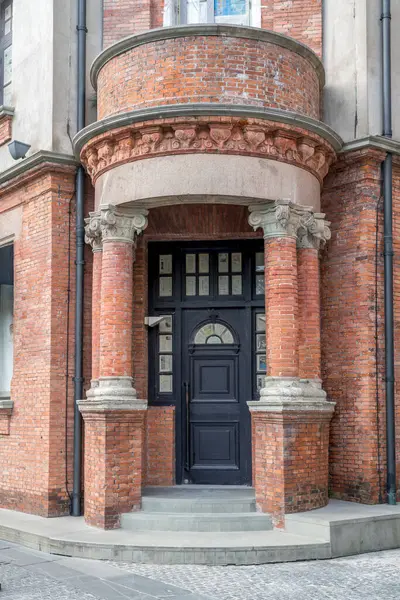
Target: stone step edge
193,515
205,555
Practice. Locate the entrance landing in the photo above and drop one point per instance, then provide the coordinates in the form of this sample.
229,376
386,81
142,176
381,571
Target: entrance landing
340,529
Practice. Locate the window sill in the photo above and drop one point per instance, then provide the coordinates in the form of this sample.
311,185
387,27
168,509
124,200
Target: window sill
6,117
6,407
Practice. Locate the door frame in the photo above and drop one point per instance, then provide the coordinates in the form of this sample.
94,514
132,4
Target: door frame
175,306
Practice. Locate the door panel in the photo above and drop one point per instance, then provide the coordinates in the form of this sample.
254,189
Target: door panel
217,417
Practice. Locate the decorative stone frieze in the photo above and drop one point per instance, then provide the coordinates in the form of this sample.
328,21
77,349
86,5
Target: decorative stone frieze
283,218
114,224
230,135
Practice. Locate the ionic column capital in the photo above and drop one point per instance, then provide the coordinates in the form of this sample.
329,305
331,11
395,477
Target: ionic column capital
93,231
283,218
314,231
280,218
113,224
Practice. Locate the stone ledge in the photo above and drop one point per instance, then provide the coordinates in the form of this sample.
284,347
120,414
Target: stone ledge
6,408
209,29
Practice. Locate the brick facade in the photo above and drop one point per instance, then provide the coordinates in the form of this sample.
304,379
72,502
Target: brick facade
300,19
164,73
323,323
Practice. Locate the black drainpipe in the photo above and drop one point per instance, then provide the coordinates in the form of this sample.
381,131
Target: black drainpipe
80,246
388,253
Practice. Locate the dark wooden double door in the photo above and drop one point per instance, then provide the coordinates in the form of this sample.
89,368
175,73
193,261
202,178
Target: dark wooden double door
203,356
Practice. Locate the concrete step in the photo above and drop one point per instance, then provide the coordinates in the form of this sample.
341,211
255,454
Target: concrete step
198,499
190,521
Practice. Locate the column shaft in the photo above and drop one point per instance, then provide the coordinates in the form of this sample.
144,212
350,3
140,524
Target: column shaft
281,306
116,310
96,307
309,314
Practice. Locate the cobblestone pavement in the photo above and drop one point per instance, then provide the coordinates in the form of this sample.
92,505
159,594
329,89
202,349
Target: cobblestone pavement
30,575
375,576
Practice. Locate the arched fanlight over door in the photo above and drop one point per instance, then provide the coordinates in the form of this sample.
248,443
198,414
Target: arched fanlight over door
214,333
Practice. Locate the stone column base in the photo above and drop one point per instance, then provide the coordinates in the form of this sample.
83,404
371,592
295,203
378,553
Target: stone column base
290,428
114,439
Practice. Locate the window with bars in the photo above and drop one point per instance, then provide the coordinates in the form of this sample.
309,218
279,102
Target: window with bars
232,12
6,25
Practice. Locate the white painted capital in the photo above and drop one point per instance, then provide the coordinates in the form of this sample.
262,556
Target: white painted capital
112,224
93,231
122,224
280,218
314,231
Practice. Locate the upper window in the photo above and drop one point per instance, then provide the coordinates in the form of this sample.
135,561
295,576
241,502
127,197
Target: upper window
6,22
233,12
214,333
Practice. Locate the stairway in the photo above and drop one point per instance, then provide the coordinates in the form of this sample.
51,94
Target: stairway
214,525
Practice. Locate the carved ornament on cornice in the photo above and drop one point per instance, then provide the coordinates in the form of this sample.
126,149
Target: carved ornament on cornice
251,137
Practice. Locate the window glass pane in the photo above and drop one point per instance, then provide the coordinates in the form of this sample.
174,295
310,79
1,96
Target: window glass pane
224,8
236,258
261,342
166,264
260,288
190,263
261,362
165,286
7,27
197,11
7,13
7,95
204,263
223,262
260,262
165,362
165,343
7,65
166,325
204,285
236,285
190,286
260,322
223,285
6,336
214,339
214,333
165,384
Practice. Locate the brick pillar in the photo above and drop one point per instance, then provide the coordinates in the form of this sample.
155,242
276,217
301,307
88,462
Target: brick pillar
113,415
308,245
281,306
94,238
290,422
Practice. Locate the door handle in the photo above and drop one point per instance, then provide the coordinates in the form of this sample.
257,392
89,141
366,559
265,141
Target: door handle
187,405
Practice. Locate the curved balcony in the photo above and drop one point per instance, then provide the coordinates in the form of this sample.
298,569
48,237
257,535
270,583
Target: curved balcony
185,114
208,64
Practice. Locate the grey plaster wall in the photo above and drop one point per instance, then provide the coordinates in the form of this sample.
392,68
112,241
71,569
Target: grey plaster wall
44,73
352,60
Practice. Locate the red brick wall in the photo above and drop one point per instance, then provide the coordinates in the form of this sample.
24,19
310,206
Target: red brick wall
350,199
5,129
32,458
165,72
300,19
309,313
123,18
160,446
113,466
